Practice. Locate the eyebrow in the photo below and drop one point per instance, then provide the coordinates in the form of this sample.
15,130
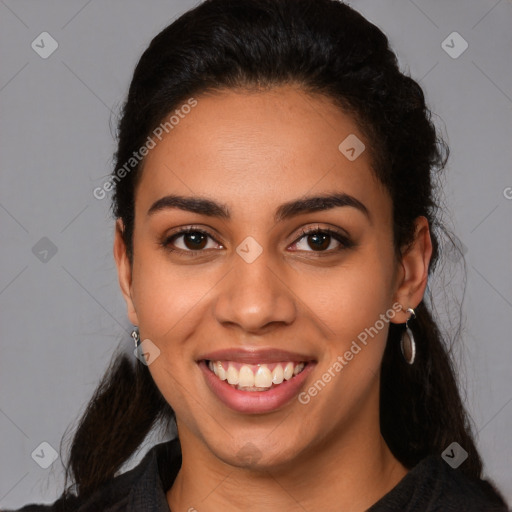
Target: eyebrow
285,211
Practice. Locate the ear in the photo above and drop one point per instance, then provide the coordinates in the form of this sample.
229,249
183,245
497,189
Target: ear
413,272
124,271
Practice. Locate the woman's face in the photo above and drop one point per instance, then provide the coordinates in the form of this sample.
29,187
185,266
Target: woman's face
254,292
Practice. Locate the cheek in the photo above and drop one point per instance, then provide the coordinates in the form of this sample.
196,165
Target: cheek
179,390
351,297
169,306
167,298
356,306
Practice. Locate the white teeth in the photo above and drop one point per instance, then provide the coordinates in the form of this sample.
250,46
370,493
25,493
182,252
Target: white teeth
220,372
263,377
278,374
232,375
288,371
245,377
260,380
298,368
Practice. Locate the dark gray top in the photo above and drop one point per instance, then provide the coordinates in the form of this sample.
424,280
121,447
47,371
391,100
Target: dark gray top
431,486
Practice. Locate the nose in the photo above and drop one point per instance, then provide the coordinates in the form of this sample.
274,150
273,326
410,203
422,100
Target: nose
255,296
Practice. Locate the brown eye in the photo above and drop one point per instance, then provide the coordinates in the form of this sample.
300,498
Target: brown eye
189,240
194,240
320,240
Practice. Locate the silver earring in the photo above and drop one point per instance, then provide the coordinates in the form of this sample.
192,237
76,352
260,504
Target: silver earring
136,336
407,343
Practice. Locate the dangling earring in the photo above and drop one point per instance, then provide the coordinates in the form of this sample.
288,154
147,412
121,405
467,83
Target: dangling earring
407,343
136,336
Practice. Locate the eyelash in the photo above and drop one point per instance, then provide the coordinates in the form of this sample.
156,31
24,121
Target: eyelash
345,242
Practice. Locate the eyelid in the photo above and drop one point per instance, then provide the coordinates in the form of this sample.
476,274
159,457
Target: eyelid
318,228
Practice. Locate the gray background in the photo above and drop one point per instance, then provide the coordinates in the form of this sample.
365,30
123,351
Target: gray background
62,318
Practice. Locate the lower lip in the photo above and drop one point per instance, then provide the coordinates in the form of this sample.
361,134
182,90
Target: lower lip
255,402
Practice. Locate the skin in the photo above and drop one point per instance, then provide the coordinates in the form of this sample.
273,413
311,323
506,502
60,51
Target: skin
253,151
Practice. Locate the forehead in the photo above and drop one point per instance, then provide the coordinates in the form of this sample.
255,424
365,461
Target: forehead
251,149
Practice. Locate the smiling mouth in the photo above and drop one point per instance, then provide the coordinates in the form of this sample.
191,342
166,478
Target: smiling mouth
255,377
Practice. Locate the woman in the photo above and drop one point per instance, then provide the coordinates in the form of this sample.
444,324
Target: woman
276,227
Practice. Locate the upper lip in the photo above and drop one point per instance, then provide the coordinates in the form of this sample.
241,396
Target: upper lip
254,355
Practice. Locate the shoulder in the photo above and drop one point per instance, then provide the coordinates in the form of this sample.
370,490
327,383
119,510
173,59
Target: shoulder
434,486
479,492
114,495
109,496
456,491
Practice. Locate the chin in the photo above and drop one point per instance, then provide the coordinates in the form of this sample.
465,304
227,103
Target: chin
257,455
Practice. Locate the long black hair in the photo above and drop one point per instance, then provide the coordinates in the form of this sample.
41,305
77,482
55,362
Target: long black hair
327,48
